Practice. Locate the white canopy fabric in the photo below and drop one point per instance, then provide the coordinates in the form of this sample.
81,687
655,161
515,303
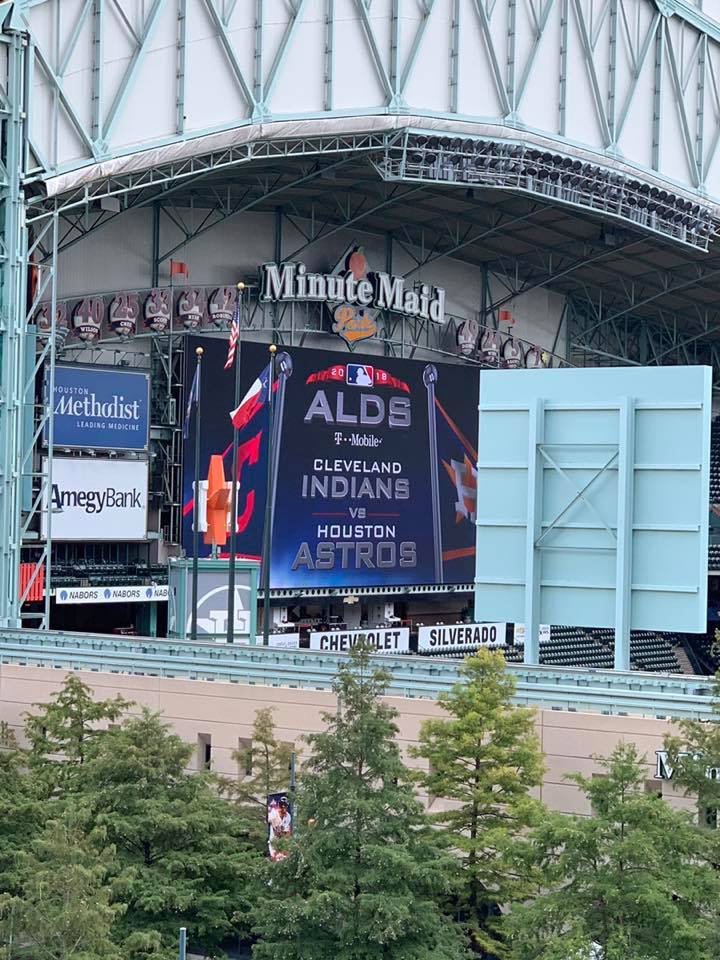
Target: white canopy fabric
140,160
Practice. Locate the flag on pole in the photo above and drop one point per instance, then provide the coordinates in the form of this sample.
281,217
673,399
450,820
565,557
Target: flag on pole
252,401
178,269
192,400
234,335
458,493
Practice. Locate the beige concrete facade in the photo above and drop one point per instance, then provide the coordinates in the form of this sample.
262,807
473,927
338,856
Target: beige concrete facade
222,714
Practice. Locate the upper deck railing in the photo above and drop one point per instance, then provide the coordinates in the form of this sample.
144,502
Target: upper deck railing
557,688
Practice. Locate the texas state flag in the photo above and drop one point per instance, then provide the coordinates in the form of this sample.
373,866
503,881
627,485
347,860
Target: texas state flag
252,401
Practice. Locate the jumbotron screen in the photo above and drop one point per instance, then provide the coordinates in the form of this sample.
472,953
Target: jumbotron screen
373,464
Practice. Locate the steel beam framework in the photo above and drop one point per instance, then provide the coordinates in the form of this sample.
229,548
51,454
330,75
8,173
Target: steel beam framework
38,439
649,62
14,153
669,47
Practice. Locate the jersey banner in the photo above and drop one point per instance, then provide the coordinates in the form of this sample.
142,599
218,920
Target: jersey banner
374,478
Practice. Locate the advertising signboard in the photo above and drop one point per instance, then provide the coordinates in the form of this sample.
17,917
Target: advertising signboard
97,499
282,641
101,408
374,479
139,593
543,634
461,636
390,640
353,295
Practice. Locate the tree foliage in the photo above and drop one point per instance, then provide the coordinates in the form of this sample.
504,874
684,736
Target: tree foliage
65,728
182,855
264,768
62,909
694,755
629,883
21,812
484,757
363,879
108,843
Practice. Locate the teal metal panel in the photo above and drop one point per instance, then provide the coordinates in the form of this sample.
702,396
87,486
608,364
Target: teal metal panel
28,418
13,284
603,501
213,598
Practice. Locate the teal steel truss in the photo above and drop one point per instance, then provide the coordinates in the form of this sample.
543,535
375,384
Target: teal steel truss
14,157
630,80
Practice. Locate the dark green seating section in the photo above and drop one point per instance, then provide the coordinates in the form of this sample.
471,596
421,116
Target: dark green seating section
593,648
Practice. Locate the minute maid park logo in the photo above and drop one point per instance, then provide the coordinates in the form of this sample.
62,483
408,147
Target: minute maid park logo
351,321
354,296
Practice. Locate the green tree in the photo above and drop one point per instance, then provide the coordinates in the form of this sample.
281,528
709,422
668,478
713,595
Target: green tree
65,728
631,882
63,910
363,882
694,756
484,756
21,810
182,856
264,769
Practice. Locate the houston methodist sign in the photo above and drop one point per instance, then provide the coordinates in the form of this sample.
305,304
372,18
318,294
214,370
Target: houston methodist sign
377,291
101,408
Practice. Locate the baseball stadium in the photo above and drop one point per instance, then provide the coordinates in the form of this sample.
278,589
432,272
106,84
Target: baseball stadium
423,294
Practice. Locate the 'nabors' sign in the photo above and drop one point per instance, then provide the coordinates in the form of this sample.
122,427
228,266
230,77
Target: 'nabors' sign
100,408
379,291
461,636
97,500
139,593
393,640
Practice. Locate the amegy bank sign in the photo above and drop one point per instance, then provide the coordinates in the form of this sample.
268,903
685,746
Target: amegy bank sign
97,500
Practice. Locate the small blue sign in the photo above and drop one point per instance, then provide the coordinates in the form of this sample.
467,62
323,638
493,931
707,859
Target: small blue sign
360,375
101,408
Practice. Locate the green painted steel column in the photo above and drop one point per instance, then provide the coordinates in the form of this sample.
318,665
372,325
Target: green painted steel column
13,280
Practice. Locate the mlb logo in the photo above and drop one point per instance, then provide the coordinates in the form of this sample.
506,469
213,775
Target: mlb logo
360,375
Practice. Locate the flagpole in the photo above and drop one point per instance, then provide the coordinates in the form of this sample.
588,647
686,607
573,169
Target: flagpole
196,502
267,545
430,376
233,494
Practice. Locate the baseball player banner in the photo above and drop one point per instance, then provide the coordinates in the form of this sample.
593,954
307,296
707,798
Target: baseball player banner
374,478
280,825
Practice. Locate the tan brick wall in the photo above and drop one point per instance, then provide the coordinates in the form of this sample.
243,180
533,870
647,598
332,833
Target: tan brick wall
225,713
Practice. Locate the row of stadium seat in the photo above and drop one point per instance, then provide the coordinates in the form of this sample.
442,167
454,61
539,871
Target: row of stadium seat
574,646
106,573
714,548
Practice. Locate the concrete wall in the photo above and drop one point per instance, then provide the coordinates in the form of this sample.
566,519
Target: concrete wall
224,712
